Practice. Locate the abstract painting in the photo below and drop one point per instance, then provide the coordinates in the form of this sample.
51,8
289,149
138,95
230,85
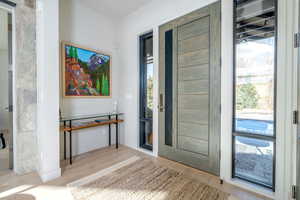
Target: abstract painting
86,72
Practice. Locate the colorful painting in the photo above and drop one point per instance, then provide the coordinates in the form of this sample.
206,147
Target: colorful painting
87,73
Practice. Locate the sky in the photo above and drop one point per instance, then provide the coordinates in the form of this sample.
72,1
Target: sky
258,57
84,55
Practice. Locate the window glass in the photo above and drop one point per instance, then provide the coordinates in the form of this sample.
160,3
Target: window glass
255,86
255,64
169,88
146,91
254,160
254,91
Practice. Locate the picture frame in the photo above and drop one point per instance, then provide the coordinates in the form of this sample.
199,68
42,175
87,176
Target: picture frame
86,72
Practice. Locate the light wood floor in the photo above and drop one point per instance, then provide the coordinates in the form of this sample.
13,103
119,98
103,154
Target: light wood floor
30,187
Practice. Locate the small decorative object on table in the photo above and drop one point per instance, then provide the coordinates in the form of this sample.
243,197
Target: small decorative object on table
115,107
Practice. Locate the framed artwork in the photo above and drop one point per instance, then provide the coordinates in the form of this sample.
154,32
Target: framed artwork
86,72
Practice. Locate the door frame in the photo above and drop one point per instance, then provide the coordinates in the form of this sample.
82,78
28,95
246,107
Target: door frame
11,10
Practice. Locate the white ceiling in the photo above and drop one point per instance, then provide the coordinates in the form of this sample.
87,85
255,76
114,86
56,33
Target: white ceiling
115,8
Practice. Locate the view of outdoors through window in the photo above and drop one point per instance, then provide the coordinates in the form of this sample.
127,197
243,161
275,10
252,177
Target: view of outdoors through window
254,131
255,86
149,97
146,91
149,100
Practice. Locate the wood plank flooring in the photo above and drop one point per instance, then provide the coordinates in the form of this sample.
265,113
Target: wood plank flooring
30,187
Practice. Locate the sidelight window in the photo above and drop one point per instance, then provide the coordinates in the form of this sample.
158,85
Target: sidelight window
254,119
146,91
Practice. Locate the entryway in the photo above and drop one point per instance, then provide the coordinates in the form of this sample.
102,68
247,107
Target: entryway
6,82
190,89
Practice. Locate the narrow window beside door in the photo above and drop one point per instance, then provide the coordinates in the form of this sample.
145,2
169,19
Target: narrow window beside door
254,91
146,90
168,87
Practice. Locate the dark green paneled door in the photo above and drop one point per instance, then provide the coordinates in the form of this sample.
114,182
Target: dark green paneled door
189,118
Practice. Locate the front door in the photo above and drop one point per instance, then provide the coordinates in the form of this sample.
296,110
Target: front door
189,101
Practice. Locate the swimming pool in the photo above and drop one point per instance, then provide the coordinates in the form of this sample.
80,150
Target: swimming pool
264,127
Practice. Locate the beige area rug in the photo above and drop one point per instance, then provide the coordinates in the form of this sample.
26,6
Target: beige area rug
141,179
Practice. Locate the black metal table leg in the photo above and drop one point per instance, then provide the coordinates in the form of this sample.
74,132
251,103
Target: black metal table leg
65,145
70,142
3,141
109,131
117,133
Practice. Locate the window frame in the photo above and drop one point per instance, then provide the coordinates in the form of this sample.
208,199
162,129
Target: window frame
248,134
142,89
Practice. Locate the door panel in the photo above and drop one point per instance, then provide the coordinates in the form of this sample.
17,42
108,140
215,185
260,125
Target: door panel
197,116
190,83
194,28
193,58
193,145
198,72
193,101
198,131
193,44
193,87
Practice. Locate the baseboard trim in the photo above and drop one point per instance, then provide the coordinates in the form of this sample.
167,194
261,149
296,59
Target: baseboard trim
145,151
50,175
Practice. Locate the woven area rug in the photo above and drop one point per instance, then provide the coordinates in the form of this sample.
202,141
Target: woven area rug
139,179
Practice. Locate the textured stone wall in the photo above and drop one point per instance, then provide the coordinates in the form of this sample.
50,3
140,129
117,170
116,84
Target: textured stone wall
26,150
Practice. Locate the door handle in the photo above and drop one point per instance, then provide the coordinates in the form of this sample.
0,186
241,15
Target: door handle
161,106
9,108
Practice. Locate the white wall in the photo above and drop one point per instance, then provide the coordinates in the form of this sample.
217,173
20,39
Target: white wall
48,85
84,26
158,12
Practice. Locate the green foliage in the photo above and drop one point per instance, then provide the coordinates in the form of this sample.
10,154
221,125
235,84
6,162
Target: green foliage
71,52
98,86
149,109
75,53
105,86
246,96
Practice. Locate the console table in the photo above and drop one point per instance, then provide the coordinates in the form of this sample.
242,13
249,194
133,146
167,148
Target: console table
70,125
